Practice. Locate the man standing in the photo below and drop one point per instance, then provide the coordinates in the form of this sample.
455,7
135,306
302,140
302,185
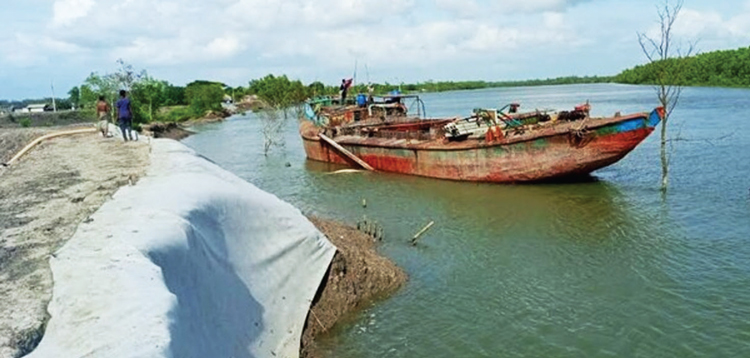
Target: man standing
102,114
344,88
124,115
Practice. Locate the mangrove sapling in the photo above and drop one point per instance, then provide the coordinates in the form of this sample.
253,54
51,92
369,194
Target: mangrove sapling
669,71
272,125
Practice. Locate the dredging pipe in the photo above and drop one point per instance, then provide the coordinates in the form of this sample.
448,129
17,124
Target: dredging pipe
44,137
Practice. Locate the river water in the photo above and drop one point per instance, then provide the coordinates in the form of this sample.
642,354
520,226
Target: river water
604,268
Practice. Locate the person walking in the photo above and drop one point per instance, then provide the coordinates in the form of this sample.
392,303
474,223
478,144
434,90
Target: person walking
102,114
124,115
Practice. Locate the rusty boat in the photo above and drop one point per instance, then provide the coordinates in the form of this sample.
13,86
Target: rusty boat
490,145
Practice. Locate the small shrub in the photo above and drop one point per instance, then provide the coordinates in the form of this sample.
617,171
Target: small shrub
25,122
178,114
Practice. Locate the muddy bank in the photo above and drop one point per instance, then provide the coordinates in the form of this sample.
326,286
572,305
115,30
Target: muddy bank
357,277
179,131
43,198
166,130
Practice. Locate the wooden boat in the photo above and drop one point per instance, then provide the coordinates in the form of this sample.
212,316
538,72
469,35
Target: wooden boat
500,146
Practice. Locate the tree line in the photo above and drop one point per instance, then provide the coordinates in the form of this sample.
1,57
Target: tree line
159,100
725,68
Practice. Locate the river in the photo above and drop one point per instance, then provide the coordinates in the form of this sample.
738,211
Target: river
604,268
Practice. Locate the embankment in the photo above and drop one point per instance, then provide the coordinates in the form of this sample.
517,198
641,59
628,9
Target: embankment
191,262
195,262
44,196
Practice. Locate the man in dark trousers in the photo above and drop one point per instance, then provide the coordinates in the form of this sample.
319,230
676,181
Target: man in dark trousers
344,88
124,115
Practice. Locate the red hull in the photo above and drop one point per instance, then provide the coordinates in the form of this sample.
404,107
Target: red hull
541,155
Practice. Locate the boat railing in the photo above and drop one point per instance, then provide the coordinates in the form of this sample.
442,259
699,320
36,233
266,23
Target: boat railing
415,135
429,134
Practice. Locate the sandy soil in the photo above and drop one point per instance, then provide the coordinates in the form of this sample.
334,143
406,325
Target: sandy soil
13,140
357,277
43,198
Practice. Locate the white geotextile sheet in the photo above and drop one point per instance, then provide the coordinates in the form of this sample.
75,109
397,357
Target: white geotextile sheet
190,262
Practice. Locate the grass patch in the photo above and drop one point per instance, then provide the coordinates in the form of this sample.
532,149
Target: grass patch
178,114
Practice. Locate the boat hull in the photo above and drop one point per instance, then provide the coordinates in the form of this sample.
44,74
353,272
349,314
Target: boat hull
564,151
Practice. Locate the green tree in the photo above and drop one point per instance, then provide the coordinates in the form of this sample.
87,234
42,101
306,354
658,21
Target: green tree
317,88
278,95
74,96
203,96
87,96
96,85
148,95
174,95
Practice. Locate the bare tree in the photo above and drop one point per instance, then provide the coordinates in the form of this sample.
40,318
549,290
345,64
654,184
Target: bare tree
666,57
273,119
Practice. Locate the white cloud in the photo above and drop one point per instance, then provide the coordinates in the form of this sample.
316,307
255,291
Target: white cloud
66,12
709,29
320,14
176,51
22,50
319,38
461,8
713,24
223,47
509,7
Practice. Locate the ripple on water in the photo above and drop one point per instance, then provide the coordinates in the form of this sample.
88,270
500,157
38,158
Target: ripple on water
605,268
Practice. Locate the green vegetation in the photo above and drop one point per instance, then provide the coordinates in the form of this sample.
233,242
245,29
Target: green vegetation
728,68
280,91
176,114
203,97
431,86
158,100
147,94
317,88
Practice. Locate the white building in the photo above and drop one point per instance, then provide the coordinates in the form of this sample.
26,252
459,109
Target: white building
34,108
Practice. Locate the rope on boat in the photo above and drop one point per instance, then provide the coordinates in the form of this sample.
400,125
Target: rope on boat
580,136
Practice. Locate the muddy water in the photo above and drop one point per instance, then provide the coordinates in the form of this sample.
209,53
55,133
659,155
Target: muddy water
603,268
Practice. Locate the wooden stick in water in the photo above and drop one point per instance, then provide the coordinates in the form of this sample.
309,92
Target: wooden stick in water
414,239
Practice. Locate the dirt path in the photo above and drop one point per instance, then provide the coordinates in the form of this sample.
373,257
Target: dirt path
43,198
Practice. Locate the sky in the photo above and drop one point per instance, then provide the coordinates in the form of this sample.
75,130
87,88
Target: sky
60,42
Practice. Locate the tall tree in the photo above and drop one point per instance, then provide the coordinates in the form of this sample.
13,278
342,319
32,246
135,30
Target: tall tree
148,95
204,96
279,95
74,95
666,58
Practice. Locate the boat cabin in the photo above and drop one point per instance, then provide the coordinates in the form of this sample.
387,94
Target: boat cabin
329,111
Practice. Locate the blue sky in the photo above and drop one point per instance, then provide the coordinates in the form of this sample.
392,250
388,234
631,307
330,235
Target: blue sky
234,41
